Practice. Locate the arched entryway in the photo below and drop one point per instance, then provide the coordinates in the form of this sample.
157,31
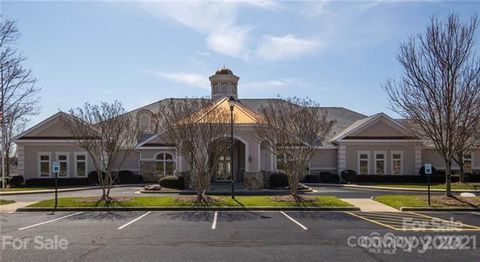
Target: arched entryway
223,169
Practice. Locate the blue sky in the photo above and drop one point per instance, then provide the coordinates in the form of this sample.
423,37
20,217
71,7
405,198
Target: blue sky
337,52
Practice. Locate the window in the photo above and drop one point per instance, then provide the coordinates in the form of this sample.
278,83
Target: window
63,162
397,158
363,163
467,163
280,162
379,163
224,168
164,164
81,164
44,165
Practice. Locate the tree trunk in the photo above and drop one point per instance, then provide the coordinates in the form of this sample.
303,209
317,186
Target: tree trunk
7,161
462,173
448,178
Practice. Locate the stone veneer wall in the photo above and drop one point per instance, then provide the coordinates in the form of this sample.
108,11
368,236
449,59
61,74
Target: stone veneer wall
253,180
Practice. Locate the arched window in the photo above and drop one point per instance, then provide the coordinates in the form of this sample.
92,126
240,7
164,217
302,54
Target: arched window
164,164
145,122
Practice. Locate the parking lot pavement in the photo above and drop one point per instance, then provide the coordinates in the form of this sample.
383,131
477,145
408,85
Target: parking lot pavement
191,235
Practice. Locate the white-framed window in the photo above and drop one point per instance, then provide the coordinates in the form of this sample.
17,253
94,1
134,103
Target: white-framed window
363,162
468,163
379,163
397,163
44,164
81,164
164,164
282,160
62,159
224,168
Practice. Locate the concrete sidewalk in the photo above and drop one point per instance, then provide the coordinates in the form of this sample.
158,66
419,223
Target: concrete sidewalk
369,205
10,208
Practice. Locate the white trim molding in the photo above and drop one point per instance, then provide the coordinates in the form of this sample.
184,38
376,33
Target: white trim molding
341,158
76,161
418,159
39,163
384,160
67,154
401,161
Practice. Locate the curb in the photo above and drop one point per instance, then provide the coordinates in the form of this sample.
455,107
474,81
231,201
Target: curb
440,209
45,209
61,190
390,188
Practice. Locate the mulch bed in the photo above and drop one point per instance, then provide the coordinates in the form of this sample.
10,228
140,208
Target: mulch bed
455,201
290,198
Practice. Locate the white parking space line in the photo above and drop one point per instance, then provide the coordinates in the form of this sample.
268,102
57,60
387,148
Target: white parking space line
49,221
136,219
294,221
476,213
214,224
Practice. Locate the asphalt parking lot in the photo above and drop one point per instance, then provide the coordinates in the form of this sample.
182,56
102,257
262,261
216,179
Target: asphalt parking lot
220,236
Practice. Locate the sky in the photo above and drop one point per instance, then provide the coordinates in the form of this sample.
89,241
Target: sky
338,53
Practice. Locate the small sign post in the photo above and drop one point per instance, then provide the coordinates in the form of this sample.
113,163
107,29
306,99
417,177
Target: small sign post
56,169
428,172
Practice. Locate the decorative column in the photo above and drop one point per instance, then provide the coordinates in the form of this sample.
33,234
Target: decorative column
342,158
21,160
418,159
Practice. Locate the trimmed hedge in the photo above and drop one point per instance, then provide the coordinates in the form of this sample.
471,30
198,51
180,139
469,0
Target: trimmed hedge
14,181
349,176
68,181
402,179
278,180
327,177
176,182
137,179
312,178
125,177
322,177
93,178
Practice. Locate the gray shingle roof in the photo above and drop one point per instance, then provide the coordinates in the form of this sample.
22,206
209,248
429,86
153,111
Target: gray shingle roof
343,117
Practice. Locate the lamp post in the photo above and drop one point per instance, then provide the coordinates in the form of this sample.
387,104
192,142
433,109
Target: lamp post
231,102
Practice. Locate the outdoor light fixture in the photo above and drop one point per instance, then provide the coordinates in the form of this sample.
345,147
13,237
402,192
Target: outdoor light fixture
231,102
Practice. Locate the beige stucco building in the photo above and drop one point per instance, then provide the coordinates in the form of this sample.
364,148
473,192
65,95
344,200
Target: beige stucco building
374,144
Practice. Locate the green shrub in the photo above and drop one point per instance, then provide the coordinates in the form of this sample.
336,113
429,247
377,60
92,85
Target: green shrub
175,182
15,181
349,176
278,180
327,177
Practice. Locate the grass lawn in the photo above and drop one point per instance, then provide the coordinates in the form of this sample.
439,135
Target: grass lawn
397,201
189,201
5,202
468,186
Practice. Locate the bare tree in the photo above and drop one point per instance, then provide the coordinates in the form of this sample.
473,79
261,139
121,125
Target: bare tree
14,126
469,138
439,90
197,128
108,134
293,128
18,93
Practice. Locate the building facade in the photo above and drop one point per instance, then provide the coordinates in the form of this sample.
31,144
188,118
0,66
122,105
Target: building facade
377,144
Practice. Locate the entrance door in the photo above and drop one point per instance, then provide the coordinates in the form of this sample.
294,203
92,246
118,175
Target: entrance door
224,172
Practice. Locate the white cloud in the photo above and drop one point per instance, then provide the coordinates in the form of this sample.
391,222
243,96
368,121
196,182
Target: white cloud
274,84
231,42
191,79
217,20
284,47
